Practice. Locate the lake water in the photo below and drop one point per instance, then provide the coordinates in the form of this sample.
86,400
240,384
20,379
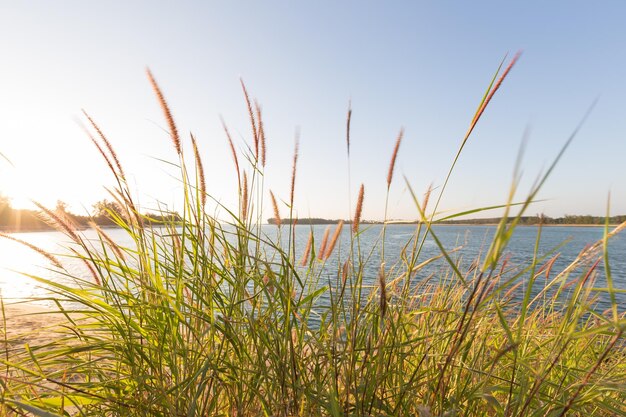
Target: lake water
17,260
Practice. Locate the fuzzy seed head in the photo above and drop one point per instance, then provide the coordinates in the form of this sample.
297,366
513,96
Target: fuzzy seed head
166,112
322,250
200,169
307,250
394,155
293,170
359,209
275,207
333,240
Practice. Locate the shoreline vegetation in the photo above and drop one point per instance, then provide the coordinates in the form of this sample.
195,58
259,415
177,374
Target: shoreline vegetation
196,316
492,221
104,214
23,220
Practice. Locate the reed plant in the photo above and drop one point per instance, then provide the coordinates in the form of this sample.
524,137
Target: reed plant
202,316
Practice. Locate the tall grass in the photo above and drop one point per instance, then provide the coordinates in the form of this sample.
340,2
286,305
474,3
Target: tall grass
204,317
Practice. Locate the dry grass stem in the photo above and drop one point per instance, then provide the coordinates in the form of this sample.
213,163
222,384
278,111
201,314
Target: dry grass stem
358,211
166,111
394,155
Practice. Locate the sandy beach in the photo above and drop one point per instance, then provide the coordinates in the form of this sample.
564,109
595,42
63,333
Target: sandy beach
26,323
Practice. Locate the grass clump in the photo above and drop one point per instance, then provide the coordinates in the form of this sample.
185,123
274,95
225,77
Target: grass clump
203,317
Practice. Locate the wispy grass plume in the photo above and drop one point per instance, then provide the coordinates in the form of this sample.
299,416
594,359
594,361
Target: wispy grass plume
167,112
394,155
359,208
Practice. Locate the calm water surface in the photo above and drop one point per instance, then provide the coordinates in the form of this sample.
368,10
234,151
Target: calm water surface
16,260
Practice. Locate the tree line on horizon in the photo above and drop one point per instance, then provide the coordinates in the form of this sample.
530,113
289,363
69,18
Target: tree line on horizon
525,220
103,214
104,211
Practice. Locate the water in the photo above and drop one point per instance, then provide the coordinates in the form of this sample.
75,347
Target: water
473,241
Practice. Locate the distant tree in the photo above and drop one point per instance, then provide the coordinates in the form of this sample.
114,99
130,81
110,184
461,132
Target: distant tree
61,207
104,211
5,210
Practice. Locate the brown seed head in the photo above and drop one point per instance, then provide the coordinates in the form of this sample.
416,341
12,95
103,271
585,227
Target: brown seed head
200,169
63,224
120,171
394,155
427,197
495,88
322,250
244,198
307,250
359,209
166,111
333,240
293,170
261,132
275,207
252,120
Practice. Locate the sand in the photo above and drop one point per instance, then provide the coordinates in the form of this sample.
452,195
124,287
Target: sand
27,324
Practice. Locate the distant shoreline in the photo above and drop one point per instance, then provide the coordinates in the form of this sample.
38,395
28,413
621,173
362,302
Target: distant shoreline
44,230
454,224
527,225
564,221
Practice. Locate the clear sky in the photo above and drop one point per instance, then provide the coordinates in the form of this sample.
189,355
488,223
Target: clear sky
419,65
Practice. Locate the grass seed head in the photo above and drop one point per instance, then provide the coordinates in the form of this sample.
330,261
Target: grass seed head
307,250
275,207
358,211
322,250
293,169
333,240
200,169
253,123
167,113
394,155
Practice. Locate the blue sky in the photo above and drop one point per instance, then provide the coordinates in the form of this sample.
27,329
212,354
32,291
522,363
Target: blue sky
419,65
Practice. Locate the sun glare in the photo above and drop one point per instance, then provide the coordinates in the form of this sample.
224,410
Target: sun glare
20,189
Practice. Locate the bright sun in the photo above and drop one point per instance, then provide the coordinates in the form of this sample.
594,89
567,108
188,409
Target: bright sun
19,188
